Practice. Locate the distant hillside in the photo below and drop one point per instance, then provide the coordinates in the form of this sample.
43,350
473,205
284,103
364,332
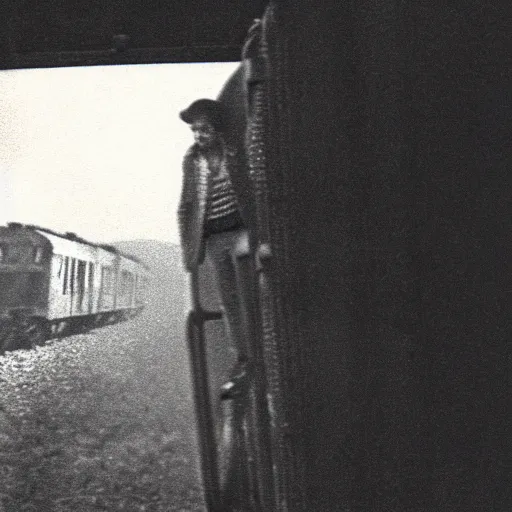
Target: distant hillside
169,276
152,252
169,289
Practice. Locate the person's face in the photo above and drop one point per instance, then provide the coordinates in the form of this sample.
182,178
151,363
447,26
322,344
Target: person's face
204,132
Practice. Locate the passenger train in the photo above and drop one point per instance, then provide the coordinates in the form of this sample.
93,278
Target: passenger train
55,284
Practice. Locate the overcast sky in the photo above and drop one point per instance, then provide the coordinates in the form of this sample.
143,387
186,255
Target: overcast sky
97,151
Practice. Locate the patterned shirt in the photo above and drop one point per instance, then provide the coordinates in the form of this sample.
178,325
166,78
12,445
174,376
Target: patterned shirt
222,208
222,200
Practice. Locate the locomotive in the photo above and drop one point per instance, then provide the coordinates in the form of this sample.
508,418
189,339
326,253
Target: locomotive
55,284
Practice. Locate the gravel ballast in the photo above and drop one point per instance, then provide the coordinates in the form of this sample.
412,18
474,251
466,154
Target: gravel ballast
101,421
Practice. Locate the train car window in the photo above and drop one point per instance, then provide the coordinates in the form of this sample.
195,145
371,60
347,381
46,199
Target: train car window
107,281
60,261
38,254
101,284
3,250
72,276
80,280
66,276
124,279
126,283
80,274
91,275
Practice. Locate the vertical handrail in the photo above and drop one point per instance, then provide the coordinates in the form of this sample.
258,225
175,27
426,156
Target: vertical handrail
197,352
259,441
